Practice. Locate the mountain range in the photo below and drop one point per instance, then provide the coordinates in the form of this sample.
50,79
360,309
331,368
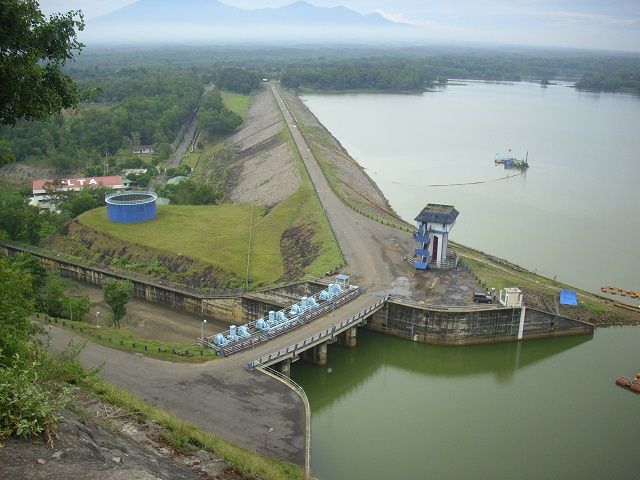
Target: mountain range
169,20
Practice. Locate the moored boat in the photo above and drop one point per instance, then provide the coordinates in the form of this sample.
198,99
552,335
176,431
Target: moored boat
511,161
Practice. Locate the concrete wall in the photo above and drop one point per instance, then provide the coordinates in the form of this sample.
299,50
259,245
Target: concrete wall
428,325
472,326
221,308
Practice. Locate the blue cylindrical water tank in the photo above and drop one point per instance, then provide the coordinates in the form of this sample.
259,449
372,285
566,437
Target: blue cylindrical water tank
131,207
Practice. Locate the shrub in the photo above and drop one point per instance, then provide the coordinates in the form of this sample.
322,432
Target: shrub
27,406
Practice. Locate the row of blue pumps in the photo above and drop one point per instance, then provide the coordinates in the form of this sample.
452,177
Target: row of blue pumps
279,318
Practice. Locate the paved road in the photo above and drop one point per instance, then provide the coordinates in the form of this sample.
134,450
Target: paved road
221,396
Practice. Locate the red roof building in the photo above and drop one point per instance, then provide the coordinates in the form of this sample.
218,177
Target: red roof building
66,184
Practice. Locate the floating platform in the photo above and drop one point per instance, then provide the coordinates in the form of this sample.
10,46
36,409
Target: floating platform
632,384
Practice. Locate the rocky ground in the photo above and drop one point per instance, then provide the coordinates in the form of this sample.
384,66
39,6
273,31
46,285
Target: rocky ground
102,442
257,164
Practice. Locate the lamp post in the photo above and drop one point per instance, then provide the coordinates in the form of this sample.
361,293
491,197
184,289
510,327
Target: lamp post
269,430
202,332
97,319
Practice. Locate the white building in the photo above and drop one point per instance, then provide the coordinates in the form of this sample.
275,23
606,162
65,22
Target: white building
432,235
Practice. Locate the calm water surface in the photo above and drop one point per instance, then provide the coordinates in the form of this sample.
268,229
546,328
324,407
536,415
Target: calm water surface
576,212
542,409
390,408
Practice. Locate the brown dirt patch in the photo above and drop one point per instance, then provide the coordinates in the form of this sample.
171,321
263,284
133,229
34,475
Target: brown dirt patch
298,251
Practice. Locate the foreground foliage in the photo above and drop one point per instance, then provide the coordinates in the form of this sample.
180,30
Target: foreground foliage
33,51
29,401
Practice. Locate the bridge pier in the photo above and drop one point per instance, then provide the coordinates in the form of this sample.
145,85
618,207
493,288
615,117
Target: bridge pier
316,355
284,367
348,337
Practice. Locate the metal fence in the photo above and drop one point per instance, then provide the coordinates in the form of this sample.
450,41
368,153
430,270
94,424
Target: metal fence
329,332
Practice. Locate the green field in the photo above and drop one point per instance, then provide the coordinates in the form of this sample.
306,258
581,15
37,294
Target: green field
219,234
236,102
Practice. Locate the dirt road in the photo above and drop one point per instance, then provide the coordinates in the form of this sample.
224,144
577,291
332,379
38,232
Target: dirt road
185,142
373,252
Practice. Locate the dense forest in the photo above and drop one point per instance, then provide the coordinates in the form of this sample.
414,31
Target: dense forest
214,118
372,73
236,79
615,82
419,72
129,107
144,96
431,62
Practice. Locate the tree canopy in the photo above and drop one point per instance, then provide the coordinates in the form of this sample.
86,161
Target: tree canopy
33,50
116,295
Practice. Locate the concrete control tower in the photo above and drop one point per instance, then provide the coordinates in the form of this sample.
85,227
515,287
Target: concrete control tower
432,235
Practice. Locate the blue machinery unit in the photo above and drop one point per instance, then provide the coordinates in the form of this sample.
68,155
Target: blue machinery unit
277,323
130,207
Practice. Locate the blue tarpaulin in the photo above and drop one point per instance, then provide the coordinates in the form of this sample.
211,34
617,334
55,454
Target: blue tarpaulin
568,297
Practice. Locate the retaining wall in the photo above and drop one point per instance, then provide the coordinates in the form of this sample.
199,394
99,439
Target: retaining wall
453,326
471,326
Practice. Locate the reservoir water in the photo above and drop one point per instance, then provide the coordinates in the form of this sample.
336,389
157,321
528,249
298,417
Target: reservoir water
542,409
390,408
575,214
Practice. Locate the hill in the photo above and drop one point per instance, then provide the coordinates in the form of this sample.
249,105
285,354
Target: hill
206,247
170,21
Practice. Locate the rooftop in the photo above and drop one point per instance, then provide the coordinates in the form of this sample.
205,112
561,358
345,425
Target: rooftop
76,183
436,213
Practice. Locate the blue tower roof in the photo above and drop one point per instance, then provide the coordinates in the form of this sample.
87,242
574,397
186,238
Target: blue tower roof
436,213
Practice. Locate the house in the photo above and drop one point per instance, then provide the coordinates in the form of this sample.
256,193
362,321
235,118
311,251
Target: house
144,149
133,171
40,187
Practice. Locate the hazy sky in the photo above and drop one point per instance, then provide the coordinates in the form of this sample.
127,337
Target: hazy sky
599,24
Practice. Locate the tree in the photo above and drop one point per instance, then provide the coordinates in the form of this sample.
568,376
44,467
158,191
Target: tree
16,303
116,294
6,155
33,50
32,265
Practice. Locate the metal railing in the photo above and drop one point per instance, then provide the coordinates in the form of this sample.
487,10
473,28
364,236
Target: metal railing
329,332
449,263
307,407
113,197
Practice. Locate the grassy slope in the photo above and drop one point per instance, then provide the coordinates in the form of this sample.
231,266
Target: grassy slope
219,235
498,273
236,102
214,234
